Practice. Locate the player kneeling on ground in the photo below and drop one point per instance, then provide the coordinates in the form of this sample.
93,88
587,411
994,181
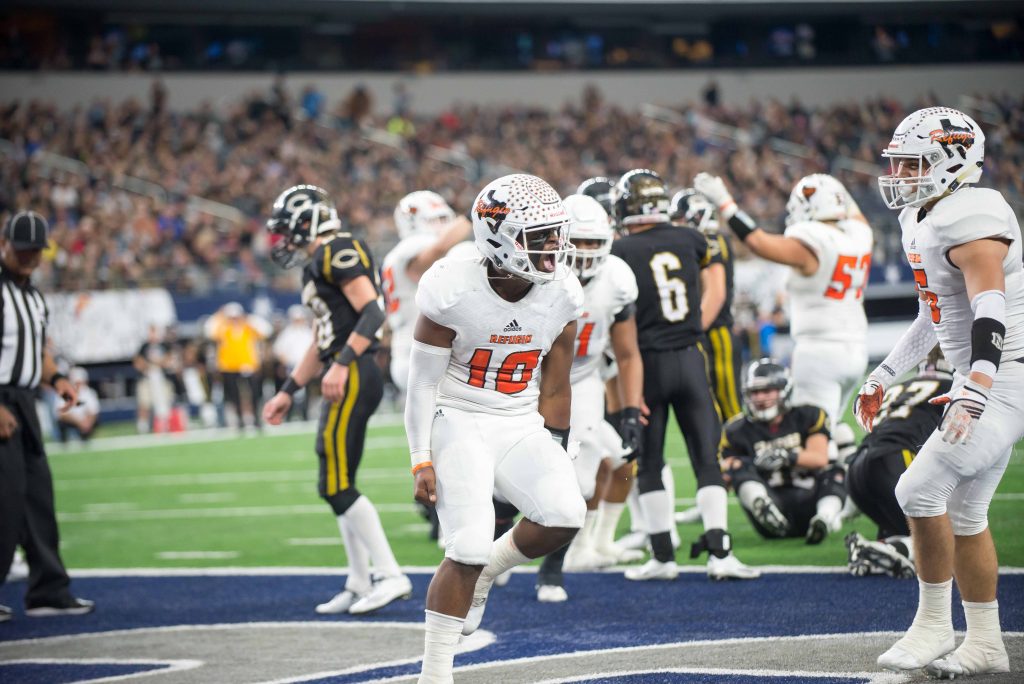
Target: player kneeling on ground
488,405
777,458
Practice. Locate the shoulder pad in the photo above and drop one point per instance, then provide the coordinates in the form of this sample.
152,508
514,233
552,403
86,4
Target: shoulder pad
623,279
972,214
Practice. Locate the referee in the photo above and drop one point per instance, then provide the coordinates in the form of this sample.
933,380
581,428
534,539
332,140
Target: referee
27,514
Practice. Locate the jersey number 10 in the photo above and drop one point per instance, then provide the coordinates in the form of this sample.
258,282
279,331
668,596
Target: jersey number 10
514,374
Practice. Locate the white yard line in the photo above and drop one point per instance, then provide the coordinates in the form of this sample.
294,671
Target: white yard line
226,512
234,477
197,555
314,541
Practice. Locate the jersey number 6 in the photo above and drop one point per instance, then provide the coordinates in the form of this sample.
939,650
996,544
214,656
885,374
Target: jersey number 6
513,375
672,291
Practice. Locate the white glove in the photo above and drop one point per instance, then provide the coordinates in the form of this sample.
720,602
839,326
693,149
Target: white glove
713,188
963,412
775,458
868,403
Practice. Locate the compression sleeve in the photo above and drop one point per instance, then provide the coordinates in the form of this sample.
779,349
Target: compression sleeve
917,341
427,365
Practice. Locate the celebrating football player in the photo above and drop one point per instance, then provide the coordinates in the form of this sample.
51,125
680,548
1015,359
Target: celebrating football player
964,245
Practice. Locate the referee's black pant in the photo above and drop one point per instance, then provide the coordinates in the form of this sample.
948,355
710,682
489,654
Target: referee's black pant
342,433
678,379
27,515
724,368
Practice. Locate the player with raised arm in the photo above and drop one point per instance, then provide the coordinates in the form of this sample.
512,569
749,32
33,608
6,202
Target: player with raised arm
342,289
666,260
488,406
964,245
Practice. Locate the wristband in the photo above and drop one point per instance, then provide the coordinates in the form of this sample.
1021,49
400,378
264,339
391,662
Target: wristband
56,377
420,466
290,387
559,435
346,356
741,224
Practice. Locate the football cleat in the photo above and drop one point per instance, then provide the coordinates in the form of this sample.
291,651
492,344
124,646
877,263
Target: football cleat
551,593
341,602
477,607
19,568
970,659
653,569
730,567
768,516
687,516
635,540
619,555
5,613
821,526
883,558
920,646
384,591
502,579
68,606
586,559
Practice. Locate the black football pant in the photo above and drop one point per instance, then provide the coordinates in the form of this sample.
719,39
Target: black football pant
342,433
872,477
724,366
798,504
27,515
678,380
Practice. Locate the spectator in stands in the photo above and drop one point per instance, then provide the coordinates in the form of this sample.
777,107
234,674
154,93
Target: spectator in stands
238,338
289,347
82,419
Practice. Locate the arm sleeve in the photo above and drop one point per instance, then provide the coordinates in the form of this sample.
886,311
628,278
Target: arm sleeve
917,341
427,365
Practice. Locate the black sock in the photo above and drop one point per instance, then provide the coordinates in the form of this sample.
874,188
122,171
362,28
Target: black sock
661,547
550,572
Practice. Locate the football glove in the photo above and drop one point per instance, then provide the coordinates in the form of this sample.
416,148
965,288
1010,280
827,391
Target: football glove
868,403
963,411
713,188
631,431
775,458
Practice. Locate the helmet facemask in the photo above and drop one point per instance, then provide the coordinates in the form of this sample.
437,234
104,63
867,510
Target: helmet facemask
766,391
543,253
910,182
591,254
300,215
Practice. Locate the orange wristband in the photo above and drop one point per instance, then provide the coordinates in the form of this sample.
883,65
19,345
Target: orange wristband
420,466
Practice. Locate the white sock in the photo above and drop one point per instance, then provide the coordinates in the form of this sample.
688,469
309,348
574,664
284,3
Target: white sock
358,580
829,507
608,515
749,492
584,539
636,514
983,624
934,604
505,555
669,480
439,644
713,504
657,511
366,524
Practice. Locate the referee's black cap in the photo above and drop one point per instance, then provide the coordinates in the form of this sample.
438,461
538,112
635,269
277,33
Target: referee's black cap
26,230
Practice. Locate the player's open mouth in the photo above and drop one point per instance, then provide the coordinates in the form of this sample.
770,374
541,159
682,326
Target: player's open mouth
547,263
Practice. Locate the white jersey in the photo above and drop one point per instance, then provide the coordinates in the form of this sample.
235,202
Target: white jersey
400,290
965,216
829,304
604,297
499,345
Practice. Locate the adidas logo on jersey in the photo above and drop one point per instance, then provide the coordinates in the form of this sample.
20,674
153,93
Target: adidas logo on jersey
512,327
438,413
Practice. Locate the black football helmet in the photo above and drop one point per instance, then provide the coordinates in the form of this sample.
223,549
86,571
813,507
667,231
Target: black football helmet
600,188
691,208
766,374
300,214
640,196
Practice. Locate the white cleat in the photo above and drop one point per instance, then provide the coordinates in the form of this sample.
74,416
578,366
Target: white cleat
551,593
502,579
587,559
970,659
687,516
384,591
341,603
653,569
822,526
476,609
635,540
918,647
730,567
620,555
19,568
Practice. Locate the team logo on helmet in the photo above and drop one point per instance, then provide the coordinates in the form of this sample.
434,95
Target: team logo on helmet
951,134
492,211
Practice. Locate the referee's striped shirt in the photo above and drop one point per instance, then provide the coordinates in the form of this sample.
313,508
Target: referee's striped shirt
23,316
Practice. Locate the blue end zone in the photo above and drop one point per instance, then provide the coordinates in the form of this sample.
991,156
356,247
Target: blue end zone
63,673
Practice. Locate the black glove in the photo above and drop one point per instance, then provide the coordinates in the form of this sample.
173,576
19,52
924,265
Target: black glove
775,458
559,435
631,430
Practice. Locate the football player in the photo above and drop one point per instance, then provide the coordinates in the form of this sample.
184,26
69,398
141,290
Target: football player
690,208
776,456
341,288
608,319
828,245
600,188
902,425
488,406
428,228
964,245
666,260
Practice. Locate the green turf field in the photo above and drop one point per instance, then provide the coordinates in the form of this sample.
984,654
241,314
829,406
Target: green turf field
252,502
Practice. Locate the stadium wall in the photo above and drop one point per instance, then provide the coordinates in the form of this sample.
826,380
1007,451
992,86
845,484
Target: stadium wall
435,92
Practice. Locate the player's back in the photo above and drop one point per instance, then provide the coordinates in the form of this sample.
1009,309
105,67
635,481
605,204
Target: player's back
967,215
400,289
906,419
604,296
499,345
829,304
666,260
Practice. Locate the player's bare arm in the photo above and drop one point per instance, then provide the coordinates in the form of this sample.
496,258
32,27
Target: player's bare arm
458,231
814,455
629,385
712,299
555,390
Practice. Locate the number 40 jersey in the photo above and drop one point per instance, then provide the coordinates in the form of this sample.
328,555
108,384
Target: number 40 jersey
829,304
499,345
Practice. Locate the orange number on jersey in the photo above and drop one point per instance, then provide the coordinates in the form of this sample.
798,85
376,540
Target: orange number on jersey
921,279
585,332
842,277
520,363
389,290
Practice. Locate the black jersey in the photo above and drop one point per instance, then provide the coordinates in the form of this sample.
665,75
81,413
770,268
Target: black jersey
720,251
667,260
906,419
335,261
745,438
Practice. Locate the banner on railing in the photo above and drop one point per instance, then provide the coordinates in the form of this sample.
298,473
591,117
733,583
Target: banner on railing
105,326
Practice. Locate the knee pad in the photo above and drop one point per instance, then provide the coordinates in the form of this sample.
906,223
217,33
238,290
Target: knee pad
967,519
469,544
917,498
343,500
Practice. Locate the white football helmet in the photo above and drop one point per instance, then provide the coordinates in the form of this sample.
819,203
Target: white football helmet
513,218
947,148
422,210
817,197
588,221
